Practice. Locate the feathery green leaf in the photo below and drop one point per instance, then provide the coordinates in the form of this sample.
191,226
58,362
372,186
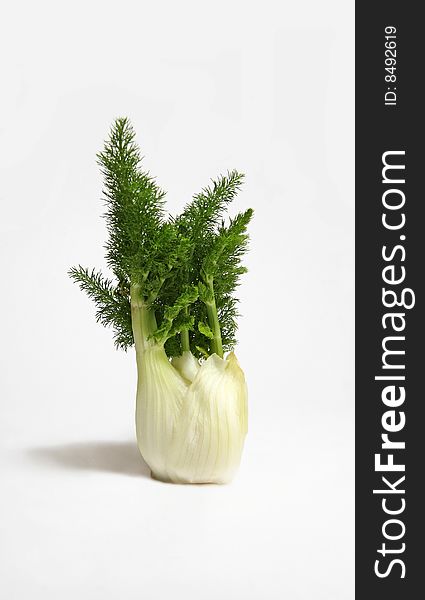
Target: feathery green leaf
185,269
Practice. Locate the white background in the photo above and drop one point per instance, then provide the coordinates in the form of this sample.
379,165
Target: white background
264,87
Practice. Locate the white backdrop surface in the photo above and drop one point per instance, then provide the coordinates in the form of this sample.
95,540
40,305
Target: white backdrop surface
266,88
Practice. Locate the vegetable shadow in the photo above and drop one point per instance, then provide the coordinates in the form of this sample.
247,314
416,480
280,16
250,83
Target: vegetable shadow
112,457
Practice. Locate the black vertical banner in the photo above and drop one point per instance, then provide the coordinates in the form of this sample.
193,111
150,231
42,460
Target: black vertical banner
390,324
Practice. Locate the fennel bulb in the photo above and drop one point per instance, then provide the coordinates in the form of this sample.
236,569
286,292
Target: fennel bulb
173,299
191,431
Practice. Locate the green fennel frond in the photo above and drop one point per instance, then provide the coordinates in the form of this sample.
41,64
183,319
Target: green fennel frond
184,270
226,250
112,303
203,213
219,274
176,316
134,205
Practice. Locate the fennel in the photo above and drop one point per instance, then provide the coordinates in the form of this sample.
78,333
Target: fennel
172,297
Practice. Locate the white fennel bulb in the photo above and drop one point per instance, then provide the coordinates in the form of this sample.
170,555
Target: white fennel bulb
191,421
